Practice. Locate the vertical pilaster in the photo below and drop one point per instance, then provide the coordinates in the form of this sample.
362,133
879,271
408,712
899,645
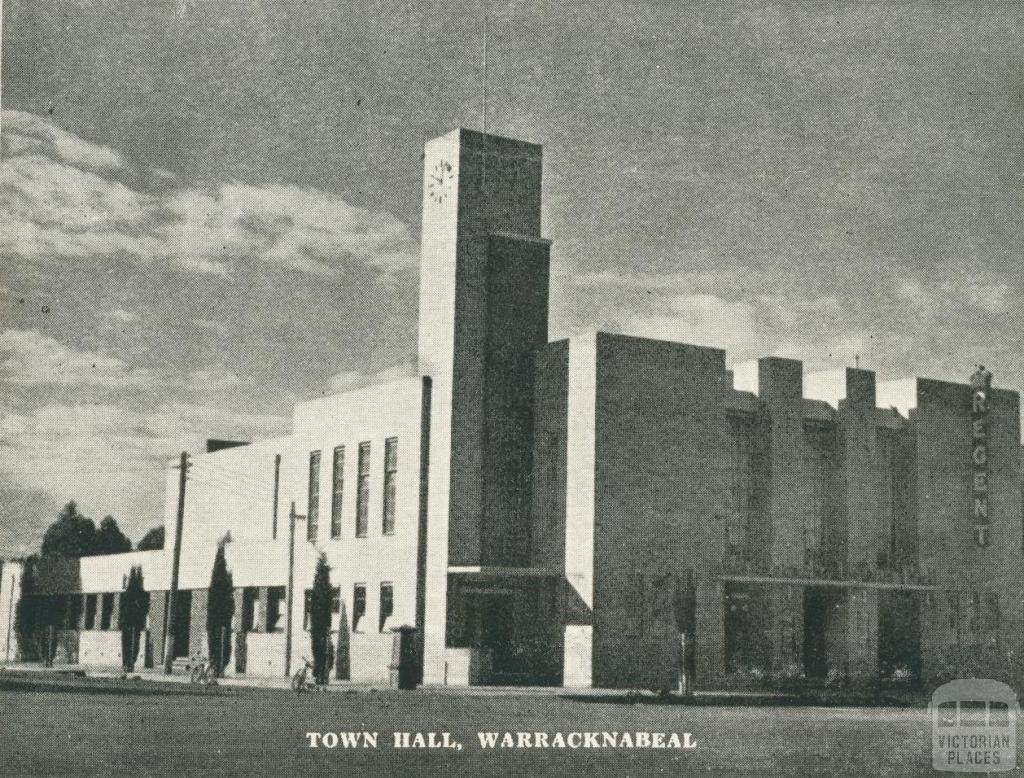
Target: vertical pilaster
157,623
197,624
115,615
787,604
781,392
710,632
862,634
860,480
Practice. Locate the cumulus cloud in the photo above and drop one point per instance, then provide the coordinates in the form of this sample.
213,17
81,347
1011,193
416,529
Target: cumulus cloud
355,379
27,134
830,386
293,228
122,316
31,358
703,319
64,198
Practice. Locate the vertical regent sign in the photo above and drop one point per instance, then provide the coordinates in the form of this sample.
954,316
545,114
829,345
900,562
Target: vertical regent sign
981,385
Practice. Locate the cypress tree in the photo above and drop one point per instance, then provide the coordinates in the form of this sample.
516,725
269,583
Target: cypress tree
220,609
132,617
26,614
320,620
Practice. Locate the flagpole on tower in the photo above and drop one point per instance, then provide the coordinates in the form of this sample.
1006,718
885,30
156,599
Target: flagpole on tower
483,113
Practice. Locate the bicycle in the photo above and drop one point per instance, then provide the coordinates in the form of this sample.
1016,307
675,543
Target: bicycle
303,680
203,673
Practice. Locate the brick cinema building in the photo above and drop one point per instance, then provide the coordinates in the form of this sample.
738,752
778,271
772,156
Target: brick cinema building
573,512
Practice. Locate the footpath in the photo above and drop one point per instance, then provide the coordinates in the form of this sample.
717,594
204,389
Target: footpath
156,676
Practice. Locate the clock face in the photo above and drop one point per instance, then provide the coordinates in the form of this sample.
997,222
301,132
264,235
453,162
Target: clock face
441,181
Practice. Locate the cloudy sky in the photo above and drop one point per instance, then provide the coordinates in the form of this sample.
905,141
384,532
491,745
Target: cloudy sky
209,209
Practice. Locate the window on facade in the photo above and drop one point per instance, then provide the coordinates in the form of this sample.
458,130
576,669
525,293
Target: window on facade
741,482
992,616
337,490
90,611
106,610
358,606
338,620
249,595
887,454
74,611
387,604
307,605
275,596
390,473
313,511
953,602
363,491
819,454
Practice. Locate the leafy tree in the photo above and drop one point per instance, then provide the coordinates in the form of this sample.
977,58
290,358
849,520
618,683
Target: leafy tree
219,611
320,620
71,535
152,540
132,617
109,538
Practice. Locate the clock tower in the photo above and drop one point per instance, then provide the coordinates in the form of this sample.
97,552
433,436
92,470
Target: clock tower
484,272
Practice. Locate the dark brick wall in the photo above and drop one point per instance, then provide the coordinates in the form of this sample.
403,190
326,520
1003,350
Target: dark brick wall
549,457
662,433
517,325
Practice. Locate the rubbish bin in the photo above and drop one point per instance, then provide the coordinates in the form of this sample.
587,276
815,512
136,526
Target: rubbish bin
403,658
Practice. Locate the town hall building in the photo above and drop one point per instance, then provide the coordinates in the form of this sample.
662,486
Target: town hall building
602,511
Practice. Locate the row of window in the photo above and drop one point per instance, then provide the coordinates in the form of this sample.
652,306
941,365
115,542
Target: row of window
83,611
359,623
96,611
362,490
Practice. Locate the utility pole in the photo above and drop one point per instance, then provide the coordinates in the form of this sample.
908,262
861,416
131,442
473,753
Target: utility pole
175,564
292,517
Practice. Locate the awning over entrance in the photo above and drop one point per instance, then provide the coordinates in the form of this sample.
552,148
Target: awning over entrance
484,571
829,582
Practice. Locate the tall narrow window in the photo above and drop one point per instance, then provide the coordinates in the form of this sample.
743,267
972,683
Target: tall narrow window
358,606
363,492
336,608
953,606
313,512
975,615
90,611
275,596
249,596
390,472
992,618
337,491
387,604
106,610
